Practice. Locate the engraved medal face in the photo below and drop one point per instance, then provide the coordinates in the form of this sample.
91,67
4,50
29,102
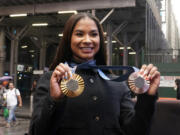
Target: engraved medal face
72,87
138,84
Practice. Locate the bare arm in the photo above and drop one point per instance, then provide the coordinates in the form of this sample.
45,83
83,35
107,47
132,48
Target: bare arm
20,100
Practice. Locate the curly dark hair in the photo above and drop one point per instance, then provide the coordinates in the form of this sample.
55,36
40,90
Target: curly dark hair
64,52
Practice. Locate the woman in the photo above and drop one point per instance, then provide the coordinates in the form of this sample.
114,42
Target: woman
105,107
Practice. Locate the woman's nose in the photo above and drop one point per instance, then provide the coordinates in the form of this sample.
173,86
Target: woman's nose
87,39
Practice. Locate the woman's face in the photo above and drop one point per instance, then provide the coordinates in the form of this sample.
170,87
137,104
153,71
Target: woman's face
85,40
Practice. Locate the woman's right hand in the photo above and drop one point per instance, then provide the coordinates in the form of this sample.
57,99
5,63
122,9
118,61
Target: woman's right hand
61,71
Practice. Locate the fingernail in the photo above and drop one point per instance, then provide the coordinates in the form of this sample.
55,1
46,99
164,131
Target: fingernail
63,77
70,73
145,72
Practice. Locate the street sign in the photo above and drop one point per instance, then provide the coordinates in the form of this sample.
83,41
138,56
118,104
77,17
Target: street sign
38,72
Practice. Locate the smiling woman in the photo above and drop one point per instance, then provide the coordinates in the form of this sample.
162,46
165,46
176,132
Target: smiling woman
90,104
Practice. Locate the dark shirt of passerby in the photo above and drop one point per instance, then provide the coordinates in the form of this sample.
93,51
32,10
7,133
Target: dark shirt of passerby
177,81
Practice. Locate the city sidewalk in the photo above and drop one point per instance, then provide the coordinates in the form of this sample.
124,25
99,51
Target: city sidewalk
20,129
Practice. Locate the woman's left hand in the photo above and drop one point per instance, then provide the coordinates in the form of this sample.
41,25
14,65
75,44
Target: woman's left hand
151,73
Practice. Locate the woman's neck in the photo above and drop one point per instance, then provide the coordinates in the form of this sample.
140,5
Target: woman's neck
78,60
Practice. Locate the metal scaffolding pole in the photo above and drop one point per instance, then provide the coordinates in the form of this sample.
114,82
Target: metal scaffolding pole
15,34
125,51
109,44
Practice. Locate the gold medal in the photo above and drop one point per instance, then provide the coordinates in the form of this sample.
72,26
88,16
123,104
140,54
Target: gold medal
138,84
73,86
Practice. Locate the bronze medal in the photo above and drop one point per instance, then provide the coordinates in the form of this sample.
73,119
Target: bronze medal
73,86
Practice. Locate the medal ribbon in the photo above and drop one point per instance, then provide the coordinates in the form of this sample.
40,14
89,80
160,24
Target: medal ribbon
92,65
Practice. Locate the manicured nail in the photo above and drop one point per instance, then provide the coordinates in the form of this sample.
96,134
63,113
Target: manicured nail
70,74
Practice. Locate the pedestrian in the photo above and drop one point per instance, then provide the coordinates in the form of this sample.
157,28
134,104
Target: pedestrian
13,98
104,107
177,87
32,90
2,90
5,83
2,100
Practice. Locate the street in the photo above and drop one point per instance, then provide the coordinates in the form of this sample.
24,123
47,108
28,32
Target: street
20,129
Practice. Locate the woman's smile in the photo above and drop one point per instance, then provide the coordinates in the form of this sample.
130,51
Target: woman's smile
86,49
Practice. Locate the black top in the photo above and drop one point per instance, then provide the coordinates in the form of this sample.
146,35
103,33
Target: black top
178,91
104,108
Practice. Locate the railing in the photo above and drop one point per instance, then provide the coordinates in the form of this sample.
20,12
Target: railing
161,58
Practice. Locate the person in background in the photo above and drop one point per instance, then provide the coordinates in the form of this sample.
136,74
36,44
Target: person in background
105,107
3,103
13,98
2,91
5,84
32,90
177,87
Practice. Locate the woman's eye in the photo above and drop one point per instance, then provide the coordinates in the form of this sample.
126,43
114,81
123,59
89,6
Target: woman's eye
79,34
94,34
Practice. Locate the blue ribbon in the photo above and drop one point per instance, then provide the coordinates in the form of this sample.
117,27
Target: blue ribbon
92,65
